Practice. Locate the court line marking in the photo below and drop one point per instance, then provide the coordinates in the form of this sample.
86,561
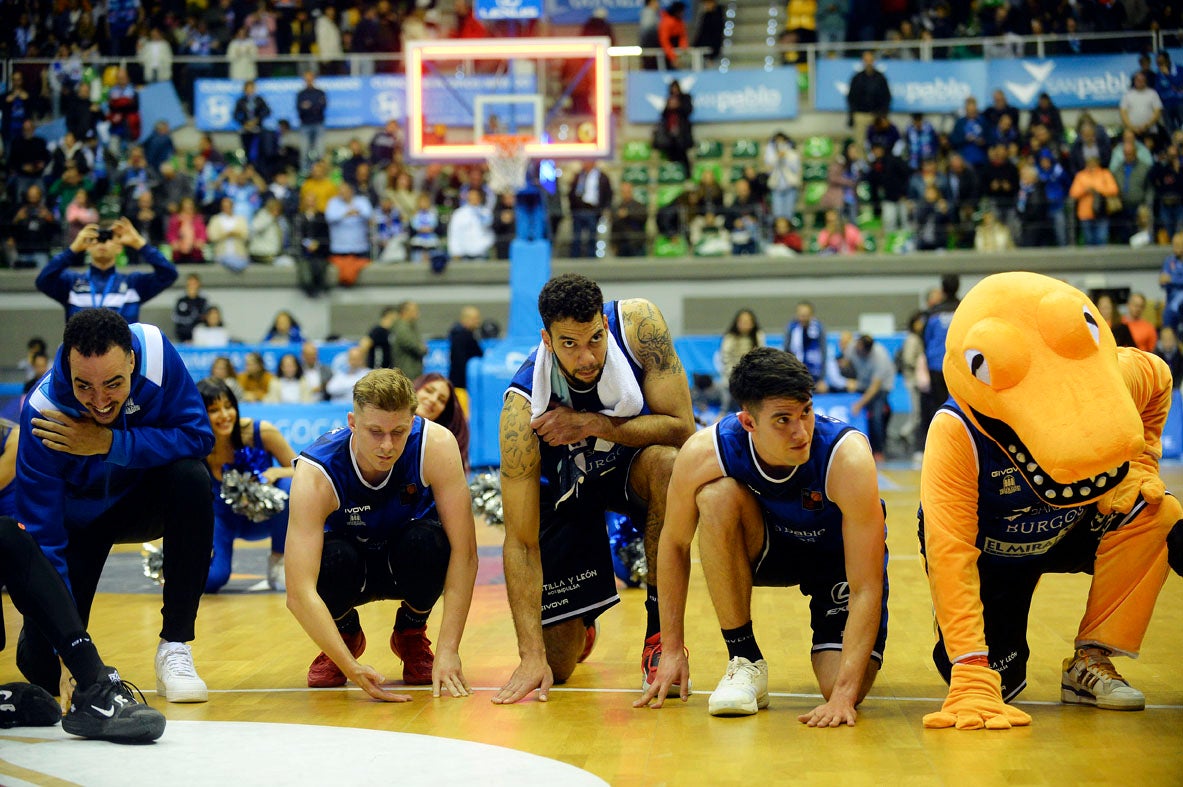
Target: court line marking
638,692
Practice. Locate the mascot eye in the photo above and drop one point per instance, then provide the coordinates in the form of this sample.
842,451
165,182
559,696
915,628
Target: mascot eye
1091,321
978,366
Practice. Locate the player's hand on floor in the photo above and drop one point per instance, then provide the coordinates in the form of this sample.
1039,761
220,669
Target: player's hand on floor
530,675
975,701
370,681
674,670
447,675
834,713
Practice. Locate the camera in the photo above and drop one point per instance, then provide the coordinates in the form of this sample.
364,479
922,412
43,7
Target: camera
104,235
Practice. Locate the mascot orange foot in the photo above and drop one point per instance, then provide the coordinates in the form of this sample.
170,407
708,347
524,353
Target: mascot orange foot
1045,460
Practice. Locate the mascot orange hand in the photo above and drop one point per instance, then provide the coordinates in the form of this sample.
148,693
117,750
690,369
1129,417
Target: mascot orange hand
975,701
1142,479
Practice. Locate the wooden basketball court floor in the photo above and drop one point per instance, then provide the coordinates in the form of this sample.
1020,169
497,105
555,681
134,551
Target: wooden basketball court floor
254,657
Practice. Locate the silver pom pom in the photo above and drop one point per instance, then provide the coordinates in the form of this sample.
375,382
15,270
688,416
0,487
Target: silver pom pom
153,562
249,496
486,498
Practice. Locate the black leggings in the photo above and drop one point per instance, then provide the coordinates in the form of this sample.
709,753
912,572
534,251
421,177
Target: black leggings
174,501
38,593
412,566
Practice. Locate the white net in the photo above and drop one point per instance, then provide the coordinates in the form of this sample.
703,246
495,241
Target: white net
507,165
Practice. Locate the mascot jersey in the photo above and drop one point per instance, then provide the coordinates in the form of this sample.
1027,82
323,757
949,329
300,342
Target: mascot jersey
1014,520
797,506
564,465
373,514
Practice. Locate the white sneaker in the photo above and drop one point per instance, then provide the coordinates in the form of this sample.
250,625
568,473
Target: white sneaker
176,678
275,579
1090,679
742,691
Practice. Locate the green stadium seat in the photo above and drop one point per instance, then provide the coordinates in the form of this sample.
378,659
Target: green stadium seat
670,247
803,81
670,172
863,190
814,171
1070,135
667,194
736,173
703,166
641,195
814,193
812,247
818,147
870,244
708,148
898,242
745,149
637,174
636,150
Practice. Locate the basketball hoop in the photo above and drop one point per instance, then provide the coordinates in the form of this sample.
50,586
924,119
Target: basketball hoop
507,162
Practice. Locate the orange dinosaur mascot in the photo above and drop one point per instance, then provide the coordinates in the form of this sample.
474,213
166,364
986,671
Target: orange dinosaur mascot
1044,460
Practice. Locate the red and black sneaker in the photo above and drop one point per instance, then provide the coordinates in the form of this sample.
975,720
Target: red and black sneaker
589,644
414,648
324,674
650,659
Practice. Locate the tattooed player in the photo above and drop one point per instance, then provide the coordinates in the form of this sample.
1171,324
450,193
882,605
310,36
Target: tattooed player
591,423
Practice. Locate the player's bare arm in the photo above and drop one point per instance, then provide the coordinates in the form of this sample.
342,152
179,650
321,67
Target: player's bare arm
444,473
311,502
695,467
521,472
854,487
667,393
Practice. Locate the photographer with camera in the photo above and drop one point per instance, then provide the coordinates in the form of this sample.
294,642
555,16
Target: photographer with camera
101,285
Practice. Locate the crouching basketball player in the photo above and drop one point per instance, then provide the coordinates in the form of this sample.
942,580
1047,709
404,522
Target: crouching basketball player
779,496
381,510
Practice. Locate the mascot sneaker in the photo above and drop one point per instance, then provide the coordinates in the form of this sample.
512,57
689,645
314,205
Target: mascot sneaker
1090,679
106,710
742,691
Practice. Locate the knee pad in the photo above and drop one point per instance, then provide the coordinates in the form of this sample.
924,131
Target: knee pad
1175,548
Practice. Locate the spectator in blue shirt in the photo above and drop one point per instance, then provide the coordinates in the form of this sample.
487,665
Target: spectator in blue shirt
348,216
1055,187
1171,279
921,138
969,135
101,285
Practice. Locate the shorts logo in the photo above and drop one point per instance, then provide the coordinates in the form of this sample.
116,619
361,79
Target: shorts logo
840,593
812,500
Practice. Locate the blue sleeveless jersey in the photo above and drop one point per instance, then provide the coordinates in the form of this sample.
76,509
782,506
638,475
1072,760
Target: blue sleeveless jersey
796,506
564,465
1013,521
373,514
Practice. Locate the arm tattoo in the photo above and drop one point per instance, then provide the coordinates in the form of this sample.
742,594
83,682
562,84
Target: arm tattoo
655,348
519,445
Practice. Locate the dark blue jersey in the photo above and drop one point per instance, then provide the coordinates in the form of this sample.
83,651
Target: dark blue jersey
564,465
795,506
373,514
1013,521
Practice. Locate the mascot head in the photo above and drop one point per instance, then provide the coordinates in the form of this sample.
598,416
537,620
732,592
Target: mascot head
1030,361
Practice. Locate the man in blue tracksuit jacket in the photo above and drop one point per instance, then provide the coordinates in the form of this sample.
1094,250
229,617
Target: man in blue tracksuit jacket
101,285
111,450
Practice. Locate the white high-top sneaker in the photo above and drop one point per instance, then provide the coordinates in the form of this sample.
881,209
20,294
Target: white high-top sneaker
176,677
743,690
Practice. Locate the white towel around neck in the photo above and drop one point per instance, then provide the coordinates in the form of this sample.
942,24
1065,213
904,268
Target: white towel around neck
617,388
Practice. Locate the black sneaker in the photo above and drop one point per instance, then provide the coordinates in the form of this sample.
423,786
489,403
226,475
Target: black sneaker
107,710
26,705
